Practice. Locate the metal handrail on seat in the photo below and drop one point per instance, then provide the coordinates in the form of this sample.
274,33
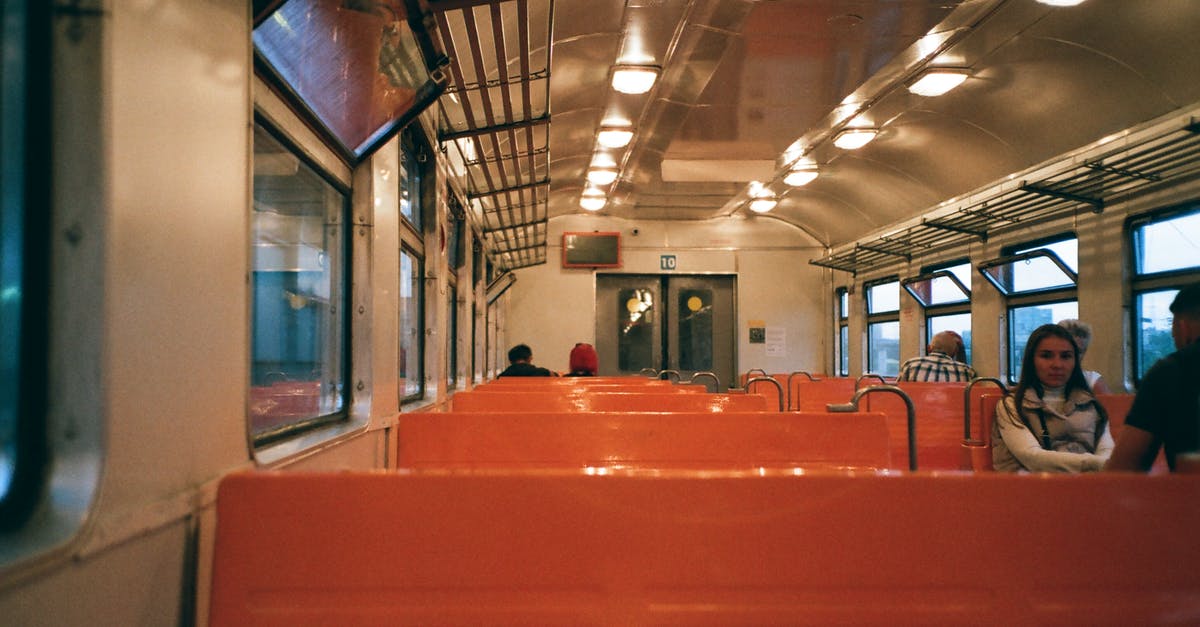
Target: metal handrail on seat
710,375
666,374
652,371
852,406
773,381
967,402
789,385
870,375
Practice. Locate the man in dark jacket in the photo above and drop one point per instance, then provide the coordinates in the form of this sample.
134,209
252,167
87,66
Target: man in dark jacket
1165,412
521,356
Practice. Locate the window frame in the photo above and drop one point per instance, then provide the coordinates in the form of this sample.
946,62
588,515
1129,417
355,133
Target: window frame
934,311
289,431
881,317
1150,282
1014,300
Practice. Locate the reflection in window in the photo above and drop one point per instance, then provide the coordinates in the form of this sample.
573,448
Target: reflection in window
299,260
1154,328
411,364
695,330
843,351
1023,320
410,182
883,348
355,65
635,315
451,336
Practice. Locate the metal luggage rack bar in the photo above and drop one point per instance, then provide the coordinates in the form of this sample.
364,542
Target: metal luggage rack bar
1088,183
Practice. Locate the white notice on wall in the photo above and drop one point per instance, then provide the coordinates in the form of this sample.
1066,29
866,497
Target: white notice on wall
776,342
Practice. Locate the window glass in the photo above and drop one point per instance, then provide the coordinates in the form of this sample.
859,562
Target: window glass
695,329
959,323
635,317
844,351
299,289
356,67
883,348
1154,339
843,303
883,297
1168,244
1023,320
941,289
410,183
411,385
1041,273
451,336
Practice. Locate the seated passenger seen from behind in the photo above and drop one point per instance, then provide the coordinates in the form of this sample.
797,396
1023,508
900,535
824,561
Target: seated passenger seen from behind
940,363
1051,422
1082,332
521,357
584,362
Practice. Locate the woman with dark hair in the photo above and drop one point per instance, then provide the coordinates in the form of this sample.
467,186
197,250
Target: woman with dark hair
1050,422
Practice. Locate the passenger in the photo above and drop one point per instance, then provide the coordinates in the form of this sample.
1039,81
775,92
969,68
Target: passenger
943,361
1082,332
1051,422
584,362
521,359
1165,411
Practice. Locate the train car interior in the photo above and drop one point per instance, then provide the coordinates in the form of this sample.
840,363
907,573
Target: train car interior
264,261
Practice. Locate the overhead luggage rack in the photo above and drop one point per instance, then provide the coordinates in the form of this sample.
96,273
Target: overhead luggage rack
1085,181
495,116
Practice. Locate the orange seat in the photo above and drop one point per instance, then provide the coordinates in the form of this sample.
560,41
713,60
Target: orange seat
642,440
359,548
534,401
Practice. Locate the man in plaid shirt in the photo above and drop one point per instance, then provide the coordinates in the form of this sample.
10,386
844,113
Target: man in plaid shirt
940,364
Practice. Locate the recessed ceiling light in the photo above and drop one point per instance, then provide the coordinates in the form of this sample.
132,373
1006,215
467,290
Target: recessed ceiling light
634,79
855,138
937,81
801,174
614,137
601,176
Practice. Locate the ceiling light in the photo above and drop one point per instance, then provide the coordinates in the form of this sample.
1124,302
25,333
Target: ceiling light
937,81
801,174
593,200
614,137
1061,3
601,176
762,205
854,138
634,79
762,199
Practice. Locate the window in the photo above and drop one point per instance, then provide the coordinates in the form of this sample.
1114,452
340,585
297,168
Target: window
411,158
451,347
843,339
1165,250
24,258
1038,279
299,294
411,385
883,327
944,291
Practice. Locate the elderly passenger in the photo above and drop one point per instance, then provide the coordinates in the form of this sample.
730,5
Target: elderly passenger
939,364
1082,332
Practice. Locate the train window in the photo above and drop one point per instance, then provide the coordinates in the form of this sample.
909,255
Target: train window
694,308
451,335
24,258
1166,257
410,181
843,339
299,294
412,379
1038,279
883,327
944,292
356,67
